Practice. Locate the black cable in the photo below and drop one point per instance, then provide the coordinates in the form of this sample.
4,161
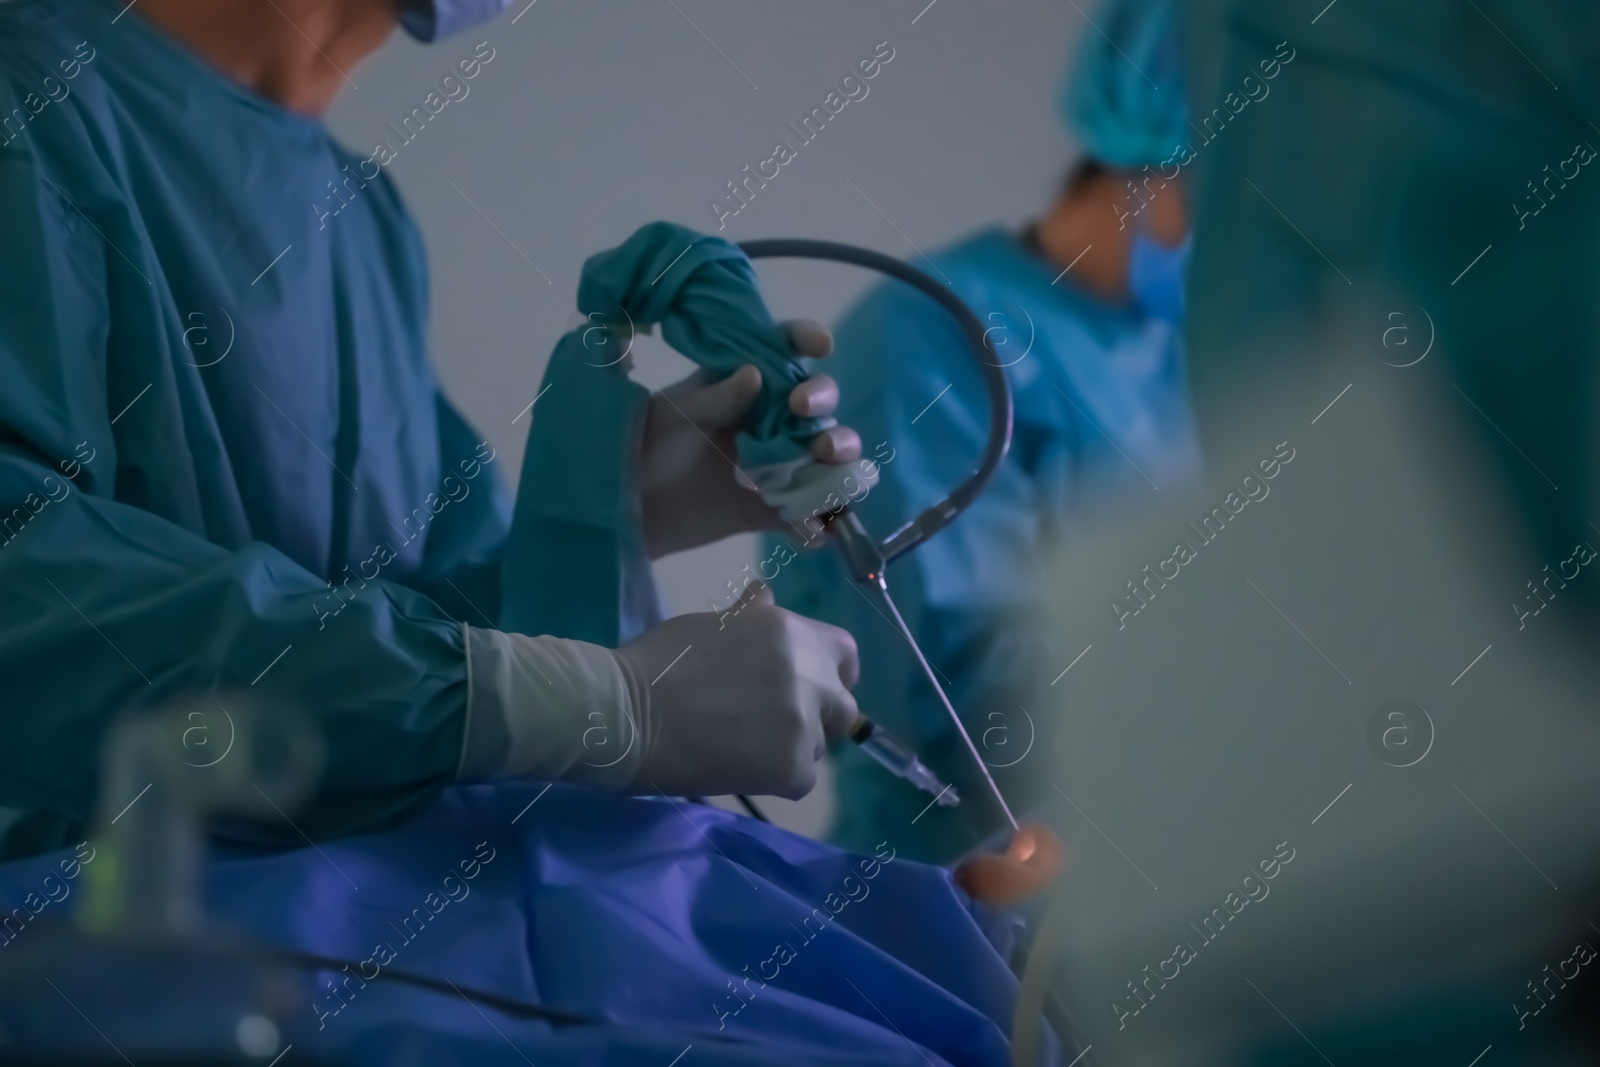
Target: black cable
750,806
507,1005
941,514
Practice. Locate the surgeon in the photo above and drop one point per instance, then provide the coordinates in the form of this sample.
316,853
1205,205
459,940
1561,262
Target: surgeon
226,463
1083,308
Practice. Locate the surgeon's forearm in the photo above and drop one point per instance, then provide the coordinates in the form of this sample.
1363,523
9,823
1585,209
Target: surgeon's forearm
105,607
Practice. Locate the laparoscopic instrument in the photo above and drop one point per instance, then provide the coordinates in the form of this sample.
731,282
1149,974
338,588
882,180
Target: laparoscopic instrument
866,557
896,757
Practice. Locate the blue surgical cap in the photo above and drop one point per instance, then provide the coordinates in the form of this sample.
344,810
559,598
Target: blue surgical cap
1124,98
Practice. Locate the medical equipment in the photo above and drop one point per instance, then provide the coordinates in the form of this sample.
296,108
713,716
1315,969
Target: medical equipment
1075,363
140,926
174,771
866,557
897,758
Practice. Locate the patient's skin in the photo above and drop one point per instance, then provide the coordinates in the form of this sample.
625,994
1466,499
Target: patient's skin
1029,864
297,53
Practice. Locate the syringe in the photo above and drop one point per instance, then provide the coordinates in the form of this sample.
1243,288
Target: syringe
898,759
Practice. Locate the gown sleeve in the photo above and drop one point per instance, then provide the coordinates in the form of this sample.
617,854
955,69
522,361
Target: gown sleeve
461,564
107,607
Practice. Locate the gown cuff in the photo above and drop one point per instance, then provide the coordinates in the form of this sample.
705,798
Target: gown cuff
548,708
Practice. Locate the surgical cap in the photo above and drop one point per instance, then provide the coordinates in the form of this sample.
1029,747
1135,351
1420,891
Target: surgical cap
1124,98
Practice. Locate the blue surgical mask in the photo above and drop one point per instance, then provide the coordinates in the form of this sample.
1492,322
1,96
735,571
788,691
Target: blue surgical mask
1156,276
433,20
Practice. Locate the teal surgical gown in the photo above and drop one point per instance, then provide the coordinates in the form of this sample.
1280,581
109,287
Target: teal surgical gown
225,463
1420,175
1102,419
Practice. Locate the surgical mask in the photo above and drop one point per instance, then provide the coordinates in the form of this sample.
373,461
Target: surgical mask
1156,275
432,20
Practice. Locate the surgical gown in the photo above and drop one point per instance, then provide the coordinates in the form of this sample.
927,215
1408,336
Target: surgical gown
1102,421
223,455
1416,182
225,465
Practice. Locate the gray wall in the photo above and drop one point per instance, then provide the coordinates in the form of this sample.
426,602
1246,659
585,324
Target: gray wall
594,118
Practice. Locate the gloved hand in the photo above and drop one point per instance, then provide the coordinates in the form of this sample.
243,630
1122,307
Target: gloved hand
690,708
691,491
748,708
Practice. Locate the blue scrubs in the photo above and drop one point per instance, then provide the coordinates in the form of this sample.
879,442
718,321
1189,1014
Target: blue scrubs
1101,416
224,459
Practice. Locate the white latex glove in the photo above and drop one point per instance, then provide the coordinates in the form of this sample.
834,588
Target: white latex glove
546,707
691,490
690,708
746,708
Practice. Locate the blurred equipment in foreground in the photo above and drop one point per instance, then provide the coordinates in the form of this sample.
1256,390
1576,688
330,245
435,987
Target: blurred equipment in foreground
1337,730
139,958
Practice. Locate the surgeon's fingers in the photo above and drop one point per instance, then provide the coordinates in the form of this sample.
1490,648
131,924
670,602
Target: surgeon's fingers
837,445
809,338
756,591
832,666
815,397
842,649
723,403
839,715
850,668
